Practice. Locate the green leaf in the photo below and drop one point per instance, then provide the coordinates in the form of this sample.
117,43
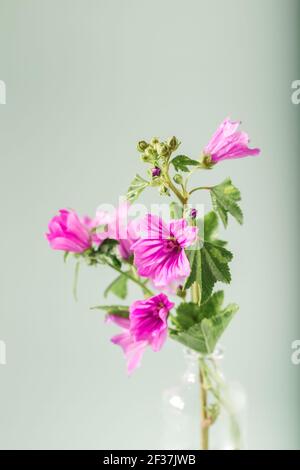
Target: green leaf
200,328
187,314
118,287
208,281
224,198
137,185
182,162
213,328
194,257
120,310
209,263
215,259
213,305
191,338
176,211
210,226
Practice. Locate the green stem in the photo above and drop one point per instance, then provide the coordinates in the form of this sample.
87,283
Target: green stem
196,298
199,188
189,176
75,280
204,418
133,279
181,196
173,188
204,422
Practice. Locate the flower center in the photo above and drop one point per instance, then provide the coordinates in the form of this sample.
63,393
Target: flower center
172,244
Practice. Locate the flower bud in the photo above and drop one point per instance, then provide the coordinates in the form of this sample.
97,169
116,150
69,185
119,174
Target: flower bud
154,141
181,292
178,179
193,213
173,143
162,149
142,145
150,152
156,171
147,158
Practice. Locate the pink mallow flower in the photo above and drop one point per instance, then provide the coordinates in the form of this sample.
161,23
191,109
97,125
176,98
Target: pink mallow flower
69,232
146,326
159,254
228,143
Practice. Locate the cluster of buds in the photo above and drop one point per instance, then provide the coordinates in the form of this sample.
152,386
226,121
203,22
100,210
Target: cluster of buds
157,153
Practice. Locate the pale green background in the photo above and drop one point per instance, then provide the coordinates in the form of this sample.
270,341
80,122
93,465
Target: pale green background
86,80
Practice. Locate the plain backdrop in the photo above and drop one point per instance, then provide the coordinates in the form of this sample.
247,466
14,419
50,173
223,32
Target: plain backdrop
85,81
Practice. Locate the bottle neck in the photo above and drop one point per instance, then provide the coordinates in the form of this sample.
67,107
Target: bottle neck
193,358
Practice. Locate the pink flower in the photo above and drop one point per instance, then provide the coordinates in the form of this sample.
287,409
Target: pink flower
159,253
148,320
146,326
133,350
123,230
228,143
68,232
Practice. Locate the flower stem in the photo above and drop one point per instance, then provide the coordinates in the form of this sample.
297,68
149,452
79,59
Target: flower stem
199,188
204,431
183,198
204,422
176,192
133,279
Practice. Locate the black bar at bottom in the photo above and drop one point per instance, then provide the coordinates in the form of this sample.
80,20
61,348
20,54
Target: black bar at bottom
137,458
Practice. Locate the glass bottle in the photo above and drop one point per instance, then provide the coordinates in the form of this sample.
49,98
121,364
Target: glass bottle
203,410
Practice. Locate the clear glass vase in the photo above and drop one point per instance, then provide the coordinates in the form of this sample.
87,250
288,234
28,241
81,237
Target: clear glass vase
203,411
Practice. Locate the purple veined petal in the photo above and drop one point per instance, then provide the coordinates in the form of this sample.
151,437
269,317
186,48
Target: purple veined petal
118,320
159,340
68,233
174,270
134,355
133,350
239,140
239,153
75,227
226,129
148,318
188,236
159,258
153,227
147,325
229,143
65,244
